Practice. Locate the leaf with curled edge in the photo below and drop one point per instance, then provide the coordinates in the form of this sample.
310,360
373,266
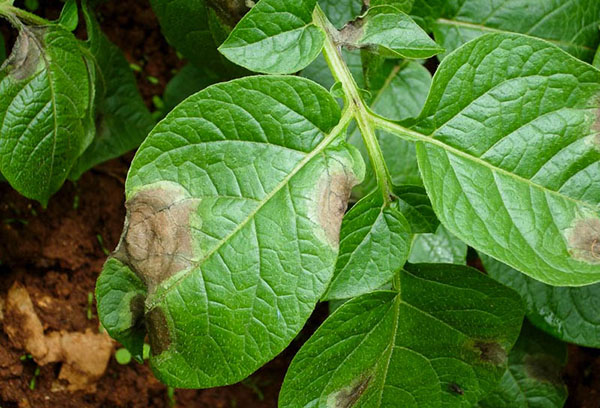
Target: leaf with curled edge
511,155
235,202
275,37
448,326
387,31
46,110
122,120
534,375
569,314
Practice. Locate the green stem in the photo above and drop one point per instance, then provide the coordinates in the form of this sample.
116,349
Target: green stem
8,11
355,103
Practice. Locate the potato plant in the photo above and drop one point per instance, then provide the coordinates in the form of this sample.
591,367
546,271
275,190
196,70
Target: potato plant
237,201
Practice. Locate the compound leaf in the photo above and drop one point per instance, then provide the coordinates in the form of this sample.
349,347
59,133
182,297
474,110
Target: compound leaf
441,342
512,158
275,37
533,378
235,201
374,244
45,110
569,314
122,119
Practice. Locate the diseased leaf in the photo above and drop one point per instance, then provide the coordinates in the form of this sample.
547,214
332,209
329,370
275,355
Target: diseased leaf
45,110
441,247
401,96
569,314
122,120
275,37
235,202
569,24
391,33
512,161
374,243
533,378
449,328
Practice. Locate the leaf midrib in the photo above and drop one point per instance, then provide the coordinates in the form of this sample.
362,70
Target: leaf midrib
337,130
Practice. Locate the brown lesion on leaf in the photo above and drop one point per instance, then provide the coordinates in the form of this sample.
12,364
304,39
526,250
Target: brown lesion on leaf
334,193
349,396
584,240
491,352
230,11
25,57
158,331
156,241
350,35
543,368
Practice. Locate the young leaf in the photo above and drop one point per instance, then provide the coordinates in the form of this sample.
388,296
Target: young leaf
401,96
374,243
569,314
512,158
449,326
235,201
441,247
122,120
533,378
391,33
275,37
571,25
69,16
45,110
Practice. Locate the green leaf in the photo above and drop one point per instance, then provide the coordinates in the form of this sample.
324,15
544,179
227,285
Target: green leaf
413,203
374,243
450,326
391,33
533,378
441,247
186,24
340,12
401,96
512,157
569,314
45,110
571,25
185,83
402,5
235,201
596,62
122,119
275,37
69,16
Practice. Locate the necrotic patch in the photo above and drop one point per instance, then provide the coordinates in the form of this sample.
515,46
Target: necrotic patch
156,241
158,331
334,192
584,240
491,352
348,397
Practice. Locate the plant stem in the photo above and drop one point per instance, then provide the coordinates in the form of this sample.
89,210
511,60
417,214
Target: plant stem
355,103
8,10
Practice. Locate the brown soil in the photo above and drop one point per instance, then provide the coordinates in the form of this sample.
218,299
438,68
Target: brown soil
57,254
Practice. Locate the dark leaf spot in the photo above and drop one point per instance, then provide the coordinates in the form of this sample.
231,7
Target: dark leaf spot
456,389
334,193
158,331
25,56
491,352
346,398
156,241
584,240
